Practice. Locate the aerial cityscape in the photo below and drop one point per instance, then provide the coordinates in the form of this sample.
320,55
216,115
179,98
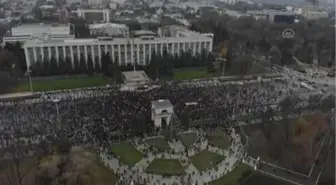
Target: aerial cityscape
167,92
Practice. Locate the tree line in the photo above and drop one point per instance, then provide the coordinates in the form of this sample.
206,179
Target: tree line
158,66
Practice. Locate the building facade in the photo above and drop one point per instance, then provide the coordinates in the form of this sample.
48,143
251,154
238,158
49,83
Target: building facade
109,29
25,32
125,51
102,14
314,15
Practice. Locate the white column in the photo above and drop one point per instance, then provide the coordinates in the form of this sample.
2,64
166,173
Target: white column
161,48
64,54
119,55
93,56
184,46
150,53
132,53
27,57
194,48
105,49
99,55
85,54
210,45
49,52
199,47
42,54
125,53
35,56
173,48
72,57
178,49
112,54
143,54
156,48
78,53
57,54
138,53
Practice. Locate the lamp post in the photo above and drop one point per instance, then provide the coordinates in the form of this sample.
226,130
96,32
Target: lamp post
28,73
30,81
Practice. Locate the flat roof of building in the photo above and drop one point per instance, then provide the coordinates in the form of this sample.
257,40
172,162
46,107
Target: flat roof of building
39,42
161,104
134,76
38,25
104,25
144,32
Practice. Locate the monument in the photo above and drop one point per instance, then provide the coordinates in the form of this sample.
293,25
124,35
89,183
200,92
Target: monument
162,111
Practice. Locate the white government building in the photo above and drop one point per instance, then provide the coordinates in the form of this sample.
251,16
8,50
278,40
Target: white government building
126,50
25,32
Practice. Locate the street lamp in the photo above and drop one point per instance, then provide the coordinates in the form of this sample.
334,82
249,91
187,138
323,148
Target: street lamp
30,80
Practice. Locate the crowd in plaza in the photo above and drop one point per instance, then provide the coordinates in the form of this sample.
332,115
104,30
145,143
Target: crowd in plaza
90,116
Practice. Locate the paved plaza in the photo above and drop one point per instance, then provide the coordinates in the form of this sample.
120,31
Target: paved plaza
137,173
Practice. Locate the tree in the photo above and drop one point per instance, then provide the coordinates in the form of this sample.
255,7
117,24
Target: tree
37,68
6,82
97,68
210,62
62,67
105,60
275,55
267,118
77,67
242,65
82,64
185,118
89,66
81,29
53,66
7,61
287,105
46,67
117,71
153,68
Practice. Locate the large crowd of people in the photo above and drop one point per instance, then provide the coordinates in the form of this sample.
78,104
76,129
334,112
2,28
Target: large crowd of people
89,117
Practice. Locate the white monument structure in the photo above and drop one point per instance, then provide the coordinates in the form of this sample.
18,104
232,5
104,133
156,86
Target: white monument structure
162,111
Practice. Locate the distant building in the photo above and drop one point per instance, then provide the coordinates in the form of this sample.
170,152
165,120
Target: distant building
139,33
312,12
274,16
314,15
282,17
94,15
25,32
109,29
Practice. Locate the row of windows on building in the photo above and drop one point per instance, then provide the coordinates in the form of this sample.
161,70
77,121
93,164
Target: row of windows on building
123,53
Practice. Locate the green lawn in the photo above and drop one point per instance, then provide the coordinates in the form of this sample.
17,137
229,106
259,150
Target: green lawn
102,174
127,153
158,142
165,167
206,160
257,178
192,73
232,178
63,83
188,138
219,138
